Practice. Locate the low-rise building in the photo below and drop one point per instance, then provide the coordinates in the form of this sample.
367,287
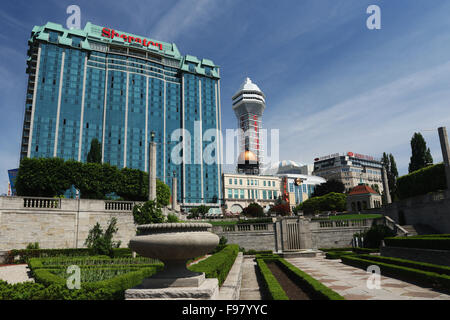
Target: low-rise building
240,190
363,197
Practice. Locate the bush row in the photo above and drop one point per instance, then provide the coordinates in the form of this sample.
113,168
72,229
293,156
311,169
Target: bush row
219,264
23,255
436,243
52,177
437,281
334,255
314,288
111,289
423,181
272,285
409,263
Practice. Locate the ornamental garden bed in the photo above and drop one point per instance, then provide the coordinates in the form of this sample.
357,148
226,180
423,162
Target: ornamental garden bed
284,281
102,277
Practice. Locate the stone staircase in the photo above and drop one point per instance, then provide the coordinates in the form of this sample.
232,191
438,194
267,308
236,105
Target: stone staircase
411,230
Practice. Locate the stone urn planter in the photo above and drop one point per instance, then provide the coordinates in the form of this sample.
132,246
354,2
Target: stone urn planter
174,244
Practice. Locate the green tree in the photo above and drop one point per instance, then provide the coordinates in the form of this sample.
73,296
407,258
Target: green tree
329,202
281,209
327,187
374,236
95,152
421,155
147,213
101,242
253,210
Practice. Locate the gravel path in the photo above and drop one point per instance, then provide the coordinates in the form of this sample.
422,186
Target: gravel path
15,273
250,289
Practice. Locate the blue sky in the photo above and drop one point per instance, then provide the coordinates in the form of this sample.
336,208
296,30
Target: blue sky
331,84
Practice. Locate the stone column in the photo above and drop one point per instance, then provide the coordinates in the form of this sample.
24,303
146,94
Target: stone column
152,172
174,193
445,153
387,193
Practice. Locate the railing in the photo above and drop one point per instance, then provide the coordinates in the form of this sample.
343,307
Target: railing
42,203
343,223
388,222
119,206
246,227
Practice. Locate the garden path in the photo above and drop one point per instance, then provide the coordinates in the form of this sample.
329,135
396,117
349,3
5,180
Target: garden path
15,273
250,288
351,282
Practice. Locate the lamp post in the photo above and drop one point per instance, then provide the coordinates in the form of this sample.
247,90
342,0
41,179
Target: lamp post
152,168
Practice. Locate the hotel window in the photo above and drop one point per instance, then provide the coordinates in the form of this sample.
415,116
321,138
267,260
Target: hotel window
235,181
270,194
264,195
241,192
230,181
240,182
275,194
236,193
230,193
264,183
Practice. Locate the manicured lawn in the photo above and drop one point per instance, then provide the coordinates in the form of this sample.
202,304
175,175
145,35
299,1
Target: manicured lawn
355,216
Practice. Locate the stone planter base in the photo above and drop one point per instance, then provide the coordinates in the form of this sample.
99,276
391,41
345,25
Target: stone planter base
208,290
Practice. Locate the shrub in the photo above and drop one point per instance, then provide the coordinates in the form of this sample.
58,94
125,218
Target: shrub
374,236
329,202
33,246
281,209
219,264
253,210
172,218
99,241
147,213
437,243
334,255
423,181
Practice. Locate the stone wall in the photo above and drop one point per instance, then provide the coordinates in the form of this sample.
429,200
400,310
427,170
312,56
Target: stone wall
60,223
432,210
251,237
441,257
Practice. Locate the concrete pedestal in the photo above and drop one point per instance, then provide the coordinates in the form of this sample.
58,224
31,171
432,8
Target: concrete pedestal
207,290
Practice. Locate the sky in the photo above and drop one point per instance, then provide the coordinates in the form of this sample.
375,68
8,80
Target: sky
331,84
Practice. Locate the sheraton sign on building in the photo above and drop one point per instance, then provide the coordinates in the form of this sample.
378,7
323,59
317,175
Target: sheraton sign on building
111,34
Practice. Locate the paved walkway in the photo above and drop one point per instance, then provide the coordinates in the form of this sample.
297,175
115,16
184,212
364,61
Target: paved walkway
15,273
250,289
351,282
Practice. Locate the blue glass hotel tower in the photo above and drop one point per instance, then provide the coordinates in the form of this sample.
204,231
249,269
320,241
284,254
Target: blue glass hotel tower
119,87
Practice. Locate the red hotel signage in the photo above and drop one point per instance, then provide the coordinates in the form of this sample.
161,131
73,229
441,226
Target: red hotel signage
110,33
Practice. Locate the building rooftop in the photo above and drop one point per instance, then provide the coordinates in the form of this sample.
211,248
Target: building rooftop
362,189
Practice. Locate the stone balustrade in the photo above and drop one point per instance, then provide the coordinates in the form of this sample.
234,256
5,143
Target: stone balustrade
253,227
343,223
119,206
42,203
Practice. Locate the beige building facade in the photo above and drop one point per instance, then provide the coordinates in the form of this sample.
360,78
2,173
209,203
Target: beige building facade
240,190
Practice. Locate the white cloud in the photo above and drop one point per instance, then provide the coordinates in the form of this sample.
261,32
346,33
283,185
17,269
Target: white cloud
382,119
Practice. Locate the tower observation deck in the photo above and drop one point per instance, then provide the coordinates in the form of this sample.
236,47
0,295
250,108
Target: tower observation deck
249,104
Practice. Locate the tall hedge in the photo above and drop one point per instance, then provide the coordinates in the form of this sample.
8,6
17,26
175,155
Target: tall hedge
52,177
423,181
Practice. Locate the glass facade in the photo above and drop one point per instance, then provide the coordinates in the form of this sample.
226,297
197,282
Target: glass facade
83,85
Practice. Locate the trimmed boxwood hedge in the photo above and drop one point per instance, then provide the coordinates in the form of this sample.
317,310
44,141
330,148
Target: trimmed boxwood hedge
423,181
315,289
334,255
436,243
21,256
52,288
219,264
438,281
409,263
272,285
